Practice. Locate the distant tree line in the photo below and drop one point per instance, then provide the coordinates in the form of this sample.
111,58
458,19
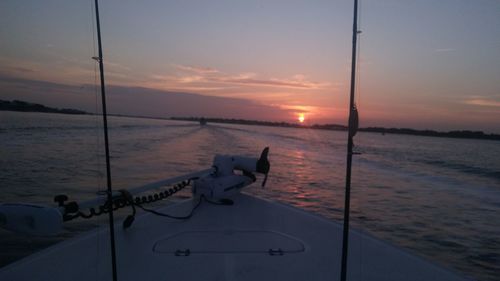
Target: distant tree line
466,134
17,105
238,121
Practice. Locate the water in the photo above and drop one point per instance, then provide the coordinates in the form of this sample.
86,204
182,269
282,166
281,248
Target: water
436,197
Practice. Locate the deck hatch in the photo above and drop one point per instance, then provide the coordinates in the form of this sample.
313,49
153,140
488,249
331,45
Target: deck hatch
229,241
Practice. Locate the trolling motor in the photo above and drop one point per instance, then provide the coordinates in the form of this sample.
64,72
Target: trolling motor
227,177
224,182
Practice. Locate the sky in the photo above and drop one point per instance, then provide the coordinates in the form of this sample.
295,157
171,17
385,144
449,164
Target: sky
422,64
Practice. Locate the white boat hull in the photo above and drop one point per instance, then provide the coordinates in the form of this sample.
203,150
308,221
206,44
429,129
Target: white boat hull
251,240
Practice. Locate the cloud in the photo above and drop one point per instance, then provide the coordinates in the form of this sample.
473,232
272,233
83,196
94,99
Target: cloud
208,75
196,69
299,108
137,100
116,66
481,101
20,69
67,75
12,85
66,70
272,82
17,67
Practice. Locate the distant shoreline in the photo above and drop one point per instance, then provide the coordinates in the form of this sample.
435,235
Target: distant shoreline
23,106
463,134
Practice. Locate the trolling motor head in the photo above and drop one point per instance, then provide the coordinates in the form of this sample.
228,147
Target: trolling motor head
225,182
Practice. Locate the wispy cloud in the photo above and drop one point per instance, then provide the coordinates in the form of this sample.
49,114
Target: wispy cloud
17,67
67,70
20,69
298,108
288,95
117,66
196,69
187,75
482,101
139,101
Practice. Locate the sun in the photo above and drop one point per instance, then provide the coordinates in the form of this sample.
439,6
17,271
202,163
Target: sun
301,117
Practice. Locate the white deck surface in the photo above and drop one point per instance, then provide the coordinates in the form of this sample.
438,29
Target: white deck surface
226,243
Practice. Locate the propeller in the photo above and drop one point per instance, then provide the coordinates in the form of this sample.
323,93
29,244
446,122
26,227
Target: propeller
263,165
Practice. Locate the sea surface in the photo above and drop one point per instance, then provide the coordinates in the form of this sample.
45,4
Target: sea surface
436,197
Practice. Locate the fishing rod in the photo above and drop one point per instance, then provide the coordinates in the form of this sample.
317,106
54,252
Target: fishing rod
106,145
353,127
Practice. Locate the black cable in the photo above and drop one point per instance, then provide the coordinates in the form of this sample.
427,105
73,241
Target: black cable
171,216
128,200
223,201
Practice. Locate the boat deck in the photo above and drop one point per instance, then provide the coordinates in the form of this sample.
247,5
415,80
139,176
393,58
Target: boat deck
253,239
